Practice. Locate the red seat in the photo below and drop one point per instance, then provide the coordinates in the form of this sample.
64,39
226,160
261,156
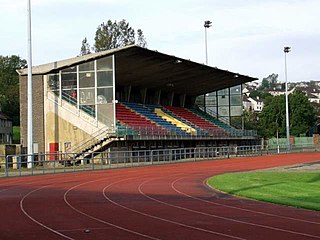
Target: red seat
192,117
139,123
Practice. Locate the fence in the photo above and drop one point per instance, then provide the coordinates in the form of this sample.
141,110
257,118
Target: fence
298,141
18,165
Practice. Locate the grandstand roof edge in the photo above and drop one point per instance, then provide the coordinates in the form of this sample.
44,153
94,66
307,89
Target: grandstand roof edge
137,66
48,67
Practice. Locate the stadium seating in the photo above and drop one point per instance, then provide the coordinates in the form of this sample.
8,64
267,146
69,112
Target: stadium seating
148,112
195,119
143,119
137,122
217,122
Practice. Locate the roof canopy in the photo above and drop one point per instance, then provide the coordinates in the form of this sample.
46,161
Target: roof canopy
141,67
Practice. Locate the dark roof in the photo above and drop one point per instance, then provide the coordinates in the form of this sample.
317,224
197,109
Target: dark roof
309,89
4,116
245,98
137,66
310,95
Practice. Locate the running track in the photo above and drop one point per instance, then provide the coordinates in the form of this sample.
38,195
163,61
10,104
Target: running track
158,202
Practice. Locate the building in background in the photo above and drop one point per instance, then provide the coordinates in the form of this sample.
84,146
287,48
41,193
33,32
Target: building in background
5,129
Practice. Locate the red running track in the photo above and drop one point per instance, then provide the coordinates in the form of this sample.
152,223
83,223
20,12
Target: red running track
158,202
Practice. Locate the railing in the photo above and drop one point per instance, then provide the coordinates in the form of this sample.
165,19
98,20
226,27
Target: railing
234,130
72,100
100,134
137,132
214,114
95,138
16,165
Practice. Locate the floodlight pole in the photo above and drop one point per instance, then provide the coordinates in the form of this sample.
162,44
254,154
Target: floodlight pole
287,50
29,90
206,25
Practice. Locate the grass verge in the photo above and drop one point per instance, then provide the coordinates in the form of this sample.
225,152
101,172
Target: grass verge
287,188
16,134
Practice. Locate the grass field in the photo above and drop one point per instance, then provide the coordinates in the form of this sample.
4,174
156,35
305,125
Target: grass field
16,134
288,188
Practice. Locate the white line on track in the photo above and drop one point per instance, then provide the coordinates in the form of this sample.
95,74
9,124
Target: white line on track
98,219
237,208
37,222
224,218
163,219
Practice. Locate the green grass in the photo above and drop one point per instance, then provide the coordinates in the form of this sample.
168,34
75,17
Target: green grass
300,190
16,134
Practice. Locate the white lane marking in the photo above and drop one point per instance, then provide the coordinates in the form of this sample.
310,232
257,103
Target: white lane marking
98,219
225,218
37,222
163,219
239,208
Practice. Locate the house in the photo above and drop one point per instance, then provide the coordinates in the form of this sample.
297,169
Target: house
252,104
5,129
312,97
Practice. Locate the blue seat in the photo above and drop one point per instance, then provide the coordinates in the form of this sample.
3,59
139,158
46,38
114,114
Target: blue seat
148,112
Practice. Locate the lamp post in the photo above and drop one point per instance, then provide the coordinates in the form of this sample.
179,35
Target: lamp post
206,25
287,50
29,90
278,147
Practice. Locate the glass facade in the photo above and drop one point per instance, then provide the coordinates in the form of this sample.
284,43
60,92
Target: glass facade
89,86
225,103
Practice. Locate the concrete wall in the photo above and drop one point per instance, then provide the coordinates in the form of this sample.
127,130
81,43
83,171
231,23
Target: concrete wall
38,111
59,130
53,121
8,149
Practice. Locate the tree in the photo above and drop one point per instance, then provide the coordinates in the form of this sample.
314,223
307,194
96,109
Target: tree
141,41
115,34
9,86
261,94
85,47
273,116
269,82
250,120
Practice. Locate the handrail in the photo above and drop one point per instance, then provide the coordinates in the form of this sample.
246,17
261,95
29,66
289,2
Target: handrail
217,116
140,132
230,128
95,138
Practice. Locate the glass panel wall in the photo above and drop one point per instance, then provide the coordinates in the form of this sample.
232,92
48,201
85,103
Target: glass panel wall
226,103
69,85
54,83
236,109
105,89
223,101
211,103
89,86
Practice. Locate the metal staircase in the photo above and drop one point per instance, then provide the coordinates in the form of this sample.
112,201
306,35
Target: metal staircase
96,143
99,140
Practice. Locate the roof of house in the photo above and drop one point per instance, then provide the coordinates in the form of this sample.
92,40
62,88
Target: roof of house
4,116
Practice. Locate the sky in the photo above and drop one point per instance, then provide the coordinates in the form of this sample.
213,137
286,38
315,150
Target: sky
246,37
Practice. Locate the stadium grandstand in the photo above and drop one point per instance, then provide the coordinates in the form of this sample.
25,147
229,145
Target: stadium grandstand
133,98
